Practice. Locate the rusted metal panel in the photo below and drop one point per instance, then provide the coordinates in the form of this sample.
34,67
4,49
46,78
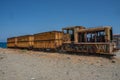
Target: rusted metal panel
25,41
102,34
48,40
73,27
66,38
49,44
95,29
75,30
12,42
103,48
48,35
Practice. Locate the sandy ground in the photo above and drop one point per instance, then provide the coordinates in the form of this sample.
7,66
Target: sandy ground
33,65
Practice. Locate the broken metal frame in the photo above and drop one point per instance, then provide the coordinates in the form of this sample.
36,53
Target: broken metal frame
101,43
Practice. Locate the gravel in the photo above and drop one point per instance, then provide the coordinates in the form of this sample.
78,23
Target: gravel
34,65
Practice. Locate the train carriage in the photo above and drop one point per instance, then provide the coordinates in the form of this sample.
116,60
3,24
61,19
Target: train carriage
12,42
71,39
48,40
25,42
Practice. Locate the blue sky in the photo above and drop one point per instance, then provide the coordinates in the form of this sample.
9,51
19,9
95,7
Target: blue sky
21,17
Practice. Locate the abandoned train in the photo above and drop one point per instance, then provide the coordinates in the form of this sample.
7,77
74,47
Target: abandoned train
70,39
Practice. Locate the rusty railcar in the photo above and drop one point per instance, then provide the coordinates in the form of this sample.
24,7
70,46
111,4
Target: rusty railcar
71,39
12,42
26,41
48,40
90,40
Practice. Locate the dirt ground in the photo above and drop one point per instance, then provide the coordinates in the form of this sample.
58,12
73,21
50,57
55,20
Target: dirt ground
35,65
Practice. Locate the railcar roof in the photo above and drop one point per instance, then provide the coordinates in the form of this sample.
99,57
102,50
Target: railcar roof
49,32
74,27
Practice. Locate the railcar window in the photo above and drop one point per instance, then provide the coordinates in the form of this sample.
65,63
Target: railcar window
65,31
71,32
